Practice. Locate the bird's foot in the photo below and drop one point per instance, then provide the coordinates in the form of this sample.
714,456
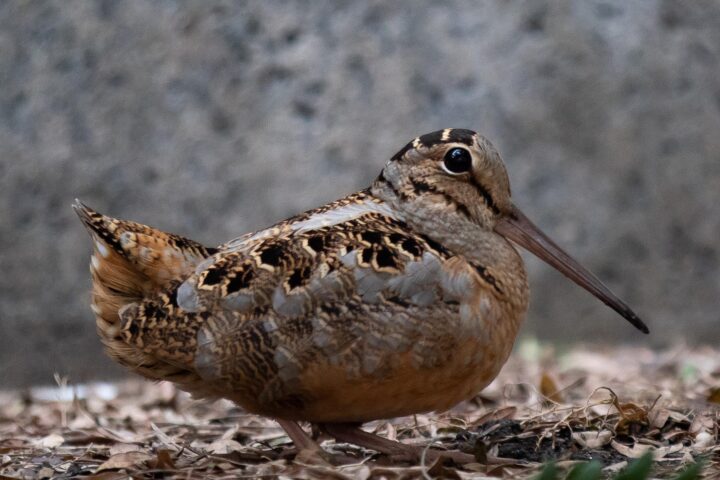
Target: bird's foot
308,450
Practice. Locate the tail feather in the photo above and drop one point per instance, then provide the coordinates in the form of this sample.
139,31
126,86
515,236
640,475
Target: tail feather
131,261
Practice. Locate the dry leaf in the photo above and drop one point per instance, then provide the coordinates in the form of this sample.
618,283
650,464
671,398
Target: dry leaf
495,415
51,441
678,417
661,452
549,388
390,432
45,472
592,439
128,460
701,423
615,467
636,451
225,445
163,461
714,395
123,448
439,470
658,417
703,440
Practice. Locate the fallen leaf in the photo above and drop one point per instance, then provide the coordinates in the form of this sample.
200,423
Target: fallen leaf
702,423
661,452
123,448
678,417
439,470
163,461
714,395
45,472
495,415
703,440
224,445
658,417
127,460
590,439
549,388
51,441
636,451
615,467
630,414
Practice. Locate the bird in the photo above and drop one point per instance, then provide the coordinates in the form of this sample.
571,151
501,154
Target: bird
401,298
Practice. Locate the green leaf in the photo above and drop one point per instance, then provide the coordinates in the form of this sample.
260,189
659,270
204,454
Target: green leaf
549,472
637,470
585,471
692,472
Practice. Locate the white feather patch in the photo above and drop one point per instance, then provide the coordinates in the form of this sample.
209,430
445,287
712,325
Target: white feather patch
342,214
101,248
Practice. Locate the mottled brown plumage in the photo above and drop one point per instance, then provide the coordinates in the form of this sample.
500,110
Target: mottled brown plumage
398,299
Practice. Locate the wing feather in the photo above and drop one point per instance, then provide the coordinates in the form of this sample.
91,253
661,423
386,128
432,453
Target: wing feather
355,294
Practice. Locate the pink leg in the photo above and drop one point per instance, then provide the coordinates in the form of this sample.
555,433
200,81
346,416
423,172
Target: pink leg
301,439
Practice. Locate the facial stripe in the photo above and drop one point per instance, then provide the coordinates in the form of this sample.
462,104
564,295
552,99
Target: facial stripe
381,178
422,187
487,276
485,194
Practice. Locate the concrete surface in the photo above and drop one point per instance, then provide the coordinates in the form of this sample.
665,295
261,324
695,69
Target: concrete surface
210,119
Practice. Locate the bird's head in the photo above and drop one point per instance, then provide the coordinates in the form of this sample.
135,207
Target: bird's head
454,178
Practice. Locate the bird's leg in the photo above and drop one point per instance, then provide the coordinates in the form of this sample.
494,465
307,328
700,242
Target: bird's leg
351,433
301,439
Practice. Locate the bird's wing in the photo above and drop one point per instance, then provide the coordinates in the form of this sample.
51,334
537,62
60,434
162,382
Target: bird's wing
321,289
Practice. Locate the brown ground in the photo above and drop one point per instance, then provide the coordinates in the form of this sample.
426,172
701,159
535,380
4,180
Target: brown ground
610,405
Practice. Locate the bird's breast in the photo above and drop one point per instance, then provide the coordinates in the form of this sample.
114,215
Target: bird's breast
386,358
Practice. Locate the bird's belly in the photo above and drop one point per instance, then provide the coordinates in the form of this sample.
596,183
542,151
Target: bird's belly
382,365
335,394
405,391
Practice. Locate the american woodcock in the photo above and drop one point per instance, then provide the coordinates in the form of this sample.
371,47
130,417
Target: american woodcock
404,297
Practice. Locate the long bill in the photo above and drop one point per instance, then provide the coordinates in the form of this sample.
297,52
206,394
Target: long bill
518,228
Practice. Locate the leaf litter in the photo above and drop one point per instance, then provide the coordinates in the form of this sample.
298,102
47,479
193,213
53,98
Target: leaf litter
606,404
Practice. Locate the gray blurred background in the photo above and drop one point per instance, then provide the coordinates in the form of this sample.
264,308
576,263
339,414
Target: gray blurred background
210,119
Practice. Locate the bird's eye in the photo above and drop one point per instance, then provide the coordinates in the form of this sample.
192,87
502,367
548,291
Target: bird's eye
457,160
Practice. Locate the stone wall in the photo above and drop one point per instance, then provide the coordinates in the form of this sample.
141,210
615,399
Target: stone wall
211,119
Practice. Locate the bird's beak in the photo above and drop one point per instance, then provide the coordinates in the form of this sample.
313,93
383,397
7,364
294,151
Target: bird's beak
518,228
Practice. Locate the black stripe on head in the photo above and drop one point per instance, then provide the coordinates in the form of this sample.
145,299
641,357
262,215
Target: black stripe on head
454,135
486,196
461,135
402,152
432,138
422,187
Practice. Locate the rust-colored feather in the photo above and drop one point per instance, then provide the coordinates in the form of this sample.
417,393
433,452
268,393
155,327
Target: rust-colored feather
130,262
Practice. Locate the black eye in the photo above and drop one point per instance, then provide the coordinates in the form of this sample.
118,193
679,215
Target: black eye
457,160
